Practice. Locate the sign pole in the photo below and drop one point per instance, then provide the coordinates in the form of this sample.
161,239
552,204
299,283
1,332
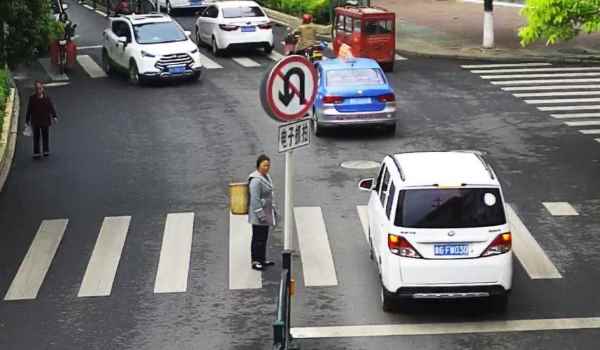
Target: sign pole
289,201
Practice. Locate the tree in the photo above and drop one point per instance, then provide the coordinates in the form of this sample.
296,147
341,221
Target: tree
554,20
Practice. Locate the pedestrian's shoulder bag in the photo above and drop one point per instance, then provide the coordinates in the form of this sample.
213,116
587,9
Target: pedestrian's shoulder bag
27,131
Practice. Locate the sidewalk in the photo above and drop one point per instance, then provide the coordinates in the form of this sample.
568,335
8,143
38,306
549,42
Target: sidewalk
453,28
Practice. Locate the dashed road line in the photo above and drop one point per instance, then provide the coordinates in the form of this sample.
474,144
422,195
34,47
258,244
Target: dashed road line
584,123
569,108
363,215
208,63
501,65
560,208
91,67
527,76
399,58
275,56
549,87
89,47
590,132
525,70
561,100
545,81
575,115
562,93
246,62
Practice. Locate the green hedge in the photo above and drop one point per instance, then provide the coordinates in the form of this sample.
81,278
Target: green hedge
4,91
319,9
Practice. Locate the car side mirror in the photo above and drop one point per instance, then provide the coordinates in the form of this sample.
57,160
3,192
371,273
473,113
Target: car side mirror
366,184
123,40
65,7
188,33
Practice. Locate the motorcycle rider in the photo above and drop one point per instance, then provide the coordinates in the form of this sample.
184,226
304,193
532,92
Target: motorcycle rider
307,33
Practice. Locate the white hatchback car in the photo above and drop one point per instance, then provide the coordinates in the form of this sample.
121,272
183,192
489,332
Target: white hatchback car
229,24
438,229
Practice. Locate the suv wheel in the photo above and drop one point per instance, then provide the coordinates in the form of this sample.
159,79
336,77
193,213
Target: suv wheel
215,48
134,74
106,65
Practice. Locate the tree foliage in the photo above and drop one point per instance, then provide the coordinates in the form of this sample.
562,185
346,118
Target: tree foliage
559,20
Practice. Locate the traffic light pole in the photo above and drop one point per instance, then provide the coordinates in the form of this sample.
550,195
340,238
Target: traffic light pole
488,24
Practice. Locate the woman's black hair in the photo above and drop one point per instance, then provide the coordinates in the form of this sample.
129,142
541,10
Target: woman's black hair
261,159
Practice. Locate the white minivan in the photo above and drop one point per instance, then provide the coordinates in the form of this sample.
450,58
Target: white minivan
438,229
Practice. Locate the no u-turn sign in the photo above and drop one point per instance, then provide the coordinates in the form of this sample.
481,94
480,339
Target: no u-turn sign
288,90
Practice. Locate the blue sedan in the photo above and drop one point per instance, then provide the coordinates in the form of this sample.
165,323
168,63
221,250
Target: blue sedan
353,92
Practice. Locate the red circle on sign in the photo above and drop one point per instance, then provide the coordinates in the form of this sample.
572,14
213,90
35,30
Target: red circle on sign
281,115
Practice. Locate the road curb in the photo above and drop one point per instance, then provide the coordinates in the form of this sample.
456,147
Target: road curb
10,129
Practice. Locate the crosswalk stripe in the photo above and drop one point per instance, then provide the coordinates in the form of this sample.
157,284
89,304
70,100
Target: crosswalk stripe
89,47
317,261
35,265
525,70
399,58
363,214
51,70
549,87
246,62
532,64
241,275
88,7
560,208
569,108
545,81
174,262
275,56
528,251
597,140
90,66
584,123
561,100
208,63
527,76
575,115
562,93
590,131
102,267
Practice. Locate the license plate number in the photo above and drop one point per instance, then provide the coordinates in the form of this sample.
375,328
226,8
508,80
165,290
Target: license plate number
248,29
451,249
177,70
359,101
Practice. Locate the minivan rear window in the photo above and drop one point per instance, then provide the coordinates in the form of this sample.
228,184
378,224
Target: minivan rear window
350,77
450,208
242,12
377,27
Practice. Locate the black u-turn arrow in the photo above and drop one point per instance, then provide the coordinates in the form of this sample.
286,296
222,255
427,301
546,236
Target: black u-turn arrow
288,93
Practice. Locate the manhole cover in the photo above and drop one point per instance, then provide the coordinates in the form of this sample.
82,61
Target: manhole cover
360,164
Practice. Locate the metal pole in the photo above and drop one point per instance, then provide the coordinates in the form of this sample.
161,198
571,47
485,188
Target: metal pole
289,200
488,24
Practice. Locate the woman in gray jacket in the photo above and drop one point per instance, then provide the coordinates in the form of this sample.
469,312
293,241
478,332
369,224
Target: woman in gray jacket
262,213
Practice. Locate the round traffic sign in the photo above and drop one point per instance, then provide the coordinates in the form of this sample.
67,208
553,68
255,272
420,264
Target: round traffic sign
289,88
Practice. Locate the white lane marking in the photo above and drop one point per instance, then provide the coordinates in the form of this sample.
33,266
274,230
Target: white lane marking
102,267
569,108
208,63
584,123
549,87
57,84
399,58
317,260
241,275
103,14
91,67
561,100
560,208
446,328
528,251
88,7
51,70
246,62
275,56
597,140
501,65
575,115
363,214
35,265
525,70
561,93
174,262
499,3
590,132
545,81
89,47
527,76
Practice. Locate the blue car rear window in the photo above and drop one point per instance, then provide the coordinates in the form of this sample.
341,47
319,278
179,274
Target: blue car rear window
353,77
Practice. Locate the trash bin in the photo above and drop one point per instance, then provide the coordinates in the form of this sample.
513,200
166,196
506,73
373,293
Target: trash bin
238,198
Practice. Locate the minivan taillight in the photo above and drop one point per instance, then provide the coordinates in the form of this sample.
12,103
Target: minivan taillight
400,246
332,99
387,98
228,27
499,245
265,26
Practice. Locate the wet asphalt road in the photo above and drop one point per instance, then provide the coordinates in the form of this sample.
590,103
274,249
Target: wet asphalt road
150,151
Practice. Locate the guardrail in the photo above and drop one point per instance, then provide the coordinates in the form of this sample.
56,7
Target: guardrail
281,327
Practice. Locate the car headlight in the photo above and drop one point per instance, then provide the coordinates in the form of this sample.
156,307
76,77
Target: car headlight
147,54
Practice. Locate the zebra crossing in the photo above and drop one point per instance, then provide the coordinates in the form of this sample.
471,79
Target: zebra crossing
317,260
570,94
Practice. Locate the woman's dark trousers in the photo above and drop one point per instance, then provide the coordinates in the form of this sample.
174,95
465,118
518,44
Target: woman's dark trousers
43,132
260,234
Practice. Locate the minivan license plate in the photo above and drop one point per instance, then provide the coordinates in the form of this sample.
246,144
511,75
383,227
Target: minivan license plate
451,249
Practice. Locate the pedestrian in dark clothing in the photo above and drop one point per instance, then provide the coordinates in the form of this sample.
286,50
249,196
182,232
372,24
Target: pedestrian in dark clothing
40,115
262,213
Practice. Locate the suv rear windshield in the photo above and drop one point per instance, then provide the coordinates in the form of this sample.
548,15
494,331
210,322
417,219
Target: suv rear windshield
244,11
450,208
350,77
156,33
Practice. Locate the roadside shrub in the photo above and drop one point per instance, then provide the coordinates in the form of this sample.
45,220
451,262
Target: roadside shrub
4,91
319,9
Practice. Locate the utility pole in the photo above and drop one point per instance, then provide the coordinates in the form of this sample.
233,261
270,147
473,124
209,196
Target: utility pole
488,24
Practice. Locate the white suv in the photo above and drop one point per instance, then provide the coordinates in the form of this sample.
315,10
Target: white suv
149,46
437,228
